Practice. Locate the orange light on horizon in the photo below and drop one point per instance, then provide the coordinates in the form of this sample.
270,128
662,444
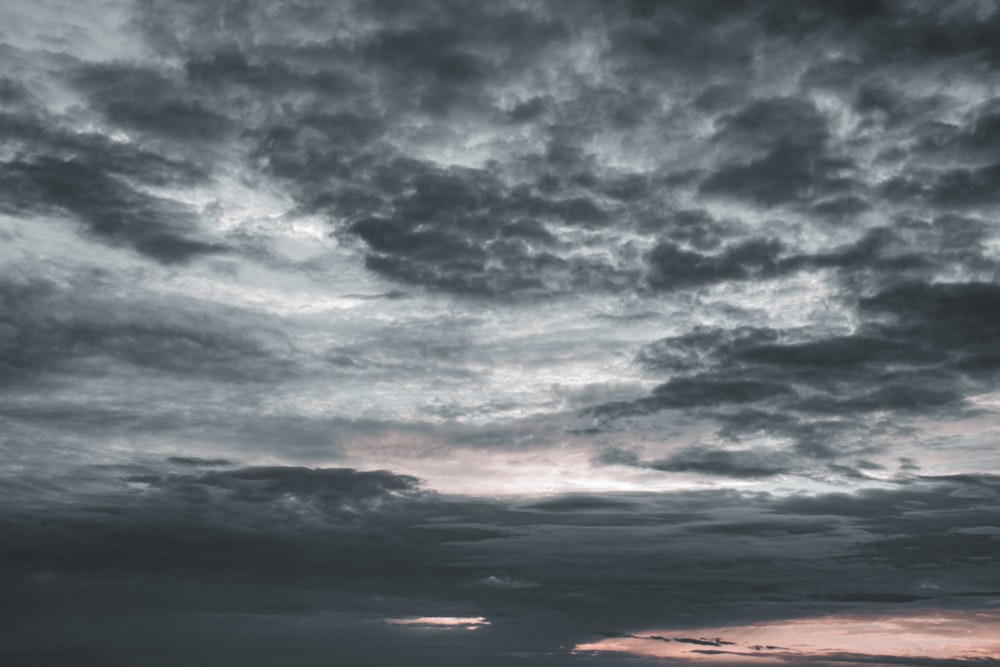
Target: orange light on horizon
927,634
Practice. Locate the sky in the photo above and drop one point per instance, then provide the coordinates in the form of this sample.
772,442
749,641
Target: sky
562,332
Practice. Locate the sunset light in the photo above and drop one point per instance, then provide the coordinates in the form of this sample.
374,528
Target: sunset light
845,639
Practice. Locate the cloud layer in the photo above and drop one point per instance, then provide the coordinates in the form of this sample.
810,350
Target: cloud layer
587,319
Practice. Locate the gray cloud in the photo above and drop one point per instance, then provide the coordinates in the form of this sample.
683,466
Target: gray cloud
147,101
923,347
110,209
722,462
737,250
50,328
693,558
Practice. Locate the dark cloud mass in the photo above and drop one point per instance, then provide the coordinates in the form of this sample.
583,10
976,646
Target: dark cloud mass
50,328
350,535
499,333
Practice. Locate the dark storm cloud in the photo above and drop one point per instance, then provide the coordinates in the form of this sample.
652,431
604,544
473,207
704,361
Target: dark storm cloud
698,37
700,347
912,248
685,559
335,489
950,189
195,461
476,232
795,164
710,389
920,347
915,328
930,34
672,266
268,73
748,463
444,232
957,319
465,231
696,228
324,116
111,210
147,101
34,132
785,174
99,182
581,503
709,161
976,137
50,328
705,460
242,520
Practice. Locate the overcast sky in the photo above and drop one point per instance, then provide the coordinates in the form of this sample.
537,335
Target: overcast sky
553,333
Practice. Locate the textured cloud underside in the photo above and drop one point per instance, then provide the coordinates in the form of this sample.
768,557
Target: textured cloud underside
565,317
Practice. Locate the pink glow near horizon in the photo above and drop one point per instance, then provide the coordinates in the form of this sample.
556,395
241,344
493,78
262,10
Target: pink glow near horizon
932,634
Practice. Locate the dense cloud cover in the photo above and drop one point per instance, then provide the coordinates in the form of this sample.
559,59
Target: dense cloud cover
587,319
294,544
